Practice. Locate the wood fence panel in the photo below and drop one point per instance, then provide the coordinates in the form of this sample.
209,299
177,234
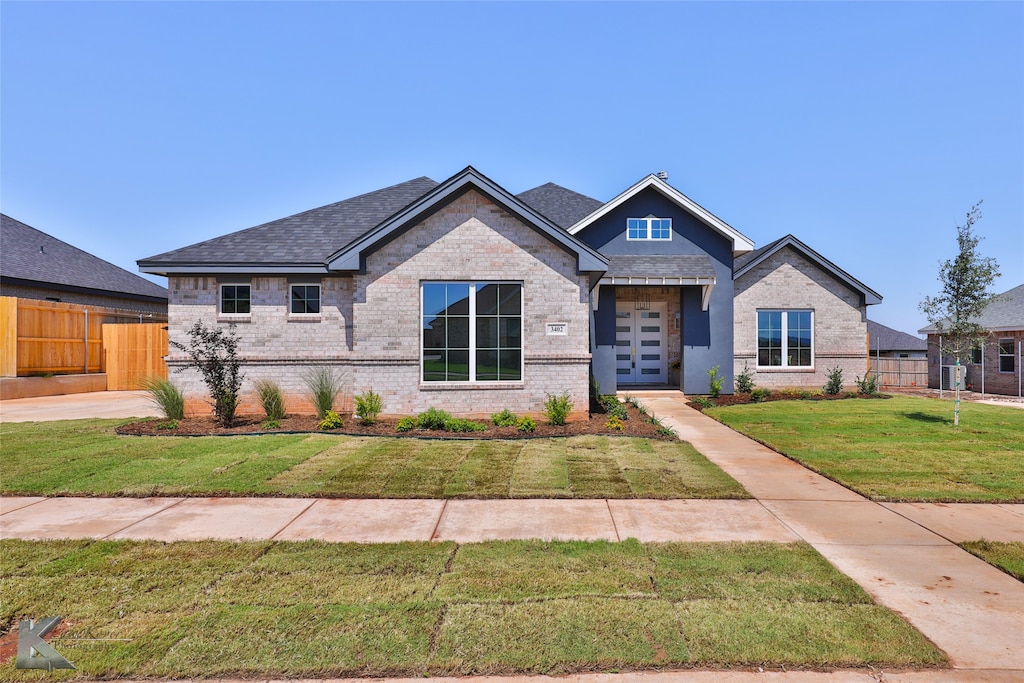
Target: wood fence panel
901,372
133,353
8,336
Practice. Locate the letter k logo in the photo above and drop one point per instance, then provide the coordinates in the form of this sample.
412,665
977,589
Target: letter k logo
33,651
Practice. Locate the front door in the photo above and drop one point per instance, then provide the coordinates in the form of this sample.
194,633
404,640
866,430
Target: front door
641,356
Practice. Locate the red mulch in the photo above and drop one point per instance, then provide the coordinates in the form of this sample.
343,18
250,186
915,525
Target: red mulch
741,399
636,425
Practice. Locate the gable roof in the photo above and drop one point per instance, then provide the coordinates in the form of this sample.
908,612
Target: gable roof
299,243
351,256
1004,313
887,339
740,242
31,257
560,205
745,262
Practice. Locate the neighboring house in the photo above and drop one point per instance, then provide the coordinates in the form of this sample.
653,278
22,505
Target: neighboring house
34,265
885,342
996,367
798,315
464,296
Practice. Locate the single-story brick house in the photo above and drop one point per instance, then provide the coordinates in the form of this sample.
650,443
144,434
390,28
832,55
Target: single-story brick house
464,296
996,366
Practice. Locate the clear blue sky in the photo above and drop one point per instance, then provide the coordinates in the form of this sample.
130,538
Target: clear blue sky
865,129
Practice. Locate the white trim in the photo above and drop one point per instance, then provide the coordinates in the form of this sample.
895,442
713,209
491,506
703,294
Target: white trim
740,242
220,300
785,341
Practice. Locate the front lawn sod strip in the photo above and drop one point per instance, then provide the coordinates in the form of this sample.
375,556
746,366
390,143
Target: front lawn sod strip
312,609
902,449
1007,556
85,457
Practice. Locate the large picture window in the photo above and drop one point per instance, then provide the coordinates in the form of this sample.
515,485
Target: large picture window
784,339
234,300
472,331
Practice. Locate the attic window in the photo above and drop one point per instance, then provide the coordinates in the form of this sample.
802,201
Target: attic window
650,228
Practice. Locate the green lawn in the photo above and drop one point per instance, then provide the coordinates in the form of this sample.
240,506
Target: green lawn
1007,556
86,457
898,449
266,609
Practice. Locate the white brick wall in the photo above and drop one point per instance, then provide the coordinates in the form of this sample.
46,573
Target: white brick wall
789,281
369,330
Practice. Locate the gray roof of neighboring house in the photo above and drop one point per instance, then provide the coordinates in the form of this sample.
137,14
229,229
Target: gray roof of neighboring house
658,266
307,238
1005,312
745,262
560,205
31,256
887,339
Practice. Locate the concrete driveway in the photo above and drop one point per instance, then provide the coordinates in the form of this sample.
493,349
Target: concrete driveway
103,404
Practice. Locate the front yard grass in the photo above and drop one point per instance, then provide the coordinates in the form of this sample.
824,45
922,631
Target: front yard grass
312,609
85,457
1007,556
900,449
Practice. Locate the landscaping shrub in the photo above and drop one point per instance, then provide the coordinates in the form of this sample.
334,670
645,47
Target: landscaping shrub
324,387
715,381
406,424
759,395
613,406
614,422
868,385
167,397
557,408
331,420
214,353
368,406
432,418
271,424
170,424
635,402
835,381
595,389
526,424
805,394
458,424
745,380
702,402
271,399
505,418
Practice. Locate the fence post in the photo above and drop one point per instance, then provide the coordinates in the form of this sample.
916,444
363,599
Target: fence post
86,341
983,368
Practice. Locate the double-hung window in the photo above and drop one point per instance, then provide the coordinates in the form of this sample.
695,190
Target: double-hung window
304,300
785,339
235,300
472,331
650,228
1006,355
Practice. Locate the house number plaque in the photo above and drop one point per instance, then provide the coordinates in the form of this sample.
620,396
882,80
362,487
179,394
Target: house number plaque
558,328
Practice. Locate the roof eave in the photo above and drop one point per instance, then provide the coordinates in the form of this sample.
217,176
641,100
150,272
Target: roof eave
741,244
167,269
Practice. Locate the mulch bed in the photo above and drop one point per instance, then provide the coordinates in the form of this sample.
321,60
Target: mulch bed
741,399
637,425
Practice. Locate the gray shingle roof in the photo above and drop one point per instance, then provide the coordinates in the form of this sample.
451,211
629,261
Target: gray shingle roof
561,206
1006,312
308,238
658,266
31,255
887,339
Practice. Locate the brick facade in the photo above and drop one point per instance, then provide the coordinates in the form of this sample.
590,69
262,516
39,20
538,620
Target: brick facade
788,281
369,328
995,381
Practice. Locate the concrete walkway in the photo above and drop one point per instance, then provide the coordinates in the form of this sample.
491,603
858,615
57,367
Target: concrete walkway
95,404
904,555
971,610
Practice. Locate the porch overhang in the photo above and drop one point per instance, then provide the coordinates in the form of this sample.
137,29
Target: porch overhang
662,271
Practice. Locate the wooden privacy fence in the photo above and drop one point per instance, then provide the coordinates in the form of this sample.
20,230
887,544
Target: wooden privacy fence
901,372
52,337
133,353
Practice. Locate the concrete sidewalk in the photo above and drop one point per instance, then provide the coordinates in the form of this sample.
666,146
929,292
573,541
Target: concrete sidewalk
96,404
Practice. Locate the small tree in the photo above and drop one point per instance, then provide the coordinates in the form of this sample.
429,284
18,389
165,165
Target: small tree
214,353
966,291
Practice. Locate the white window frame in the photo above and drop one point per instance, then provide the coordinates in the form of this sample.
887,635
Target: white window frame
319,298
1012,355
648,230
785,339
220,299
473,285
